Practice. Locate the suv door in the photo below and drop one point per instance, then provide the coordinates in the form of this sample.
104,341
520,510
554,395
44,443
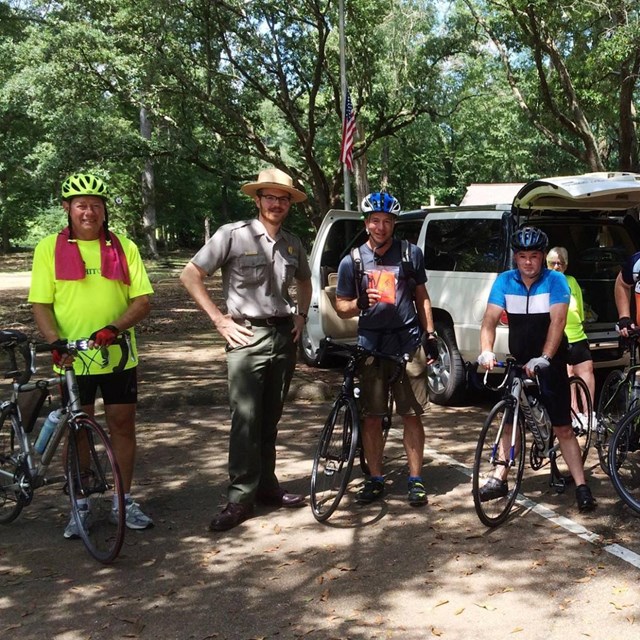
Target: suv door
464,249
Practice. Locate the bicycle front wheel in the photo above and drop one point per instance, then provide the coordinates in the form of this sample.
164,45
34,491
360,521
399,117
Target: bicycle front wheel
624,459
613,404
334,457
11,498
498,466
94,481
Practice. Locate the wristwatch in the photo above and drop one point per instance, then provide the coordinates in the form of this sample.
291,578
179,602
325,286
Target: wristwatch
304,315
546,357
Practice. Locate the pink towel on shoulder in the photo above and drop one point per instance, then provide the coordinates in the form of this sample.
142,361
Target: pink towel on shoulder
70,266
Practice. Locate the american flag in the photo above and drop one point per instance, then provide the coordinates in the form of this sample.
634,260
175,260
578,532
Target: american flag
348,133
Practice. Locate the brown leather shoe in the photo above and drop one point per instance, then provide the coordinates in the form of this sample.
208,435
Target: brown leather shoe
231,516
280,498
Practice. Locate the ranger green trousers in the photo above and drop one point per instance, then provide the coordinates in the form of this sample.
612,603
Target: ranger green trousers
259,376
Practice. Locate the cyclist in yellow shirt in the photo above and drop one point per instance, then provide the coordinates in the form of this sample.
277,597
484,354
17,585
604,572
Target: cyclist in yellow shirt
88,281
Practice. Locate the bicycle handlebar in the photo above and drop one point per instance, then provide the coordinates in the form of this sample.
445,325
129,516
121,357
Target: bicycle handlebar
328,344
72,347
509,365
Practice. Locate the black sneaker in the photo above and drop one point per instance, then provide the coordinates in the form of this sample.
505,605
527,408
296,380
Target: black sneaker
493,489
371,490
417,494
584,498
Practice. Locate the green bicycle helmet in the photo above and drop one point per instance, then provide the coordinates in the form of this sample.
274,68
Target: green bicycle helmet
83,184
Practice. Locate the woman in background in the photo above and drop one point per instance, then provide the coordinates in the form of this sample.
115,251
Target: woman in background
579,359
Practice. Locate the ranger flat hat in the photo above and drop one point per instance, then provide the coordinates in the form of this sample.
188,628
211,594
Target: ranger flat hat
275,179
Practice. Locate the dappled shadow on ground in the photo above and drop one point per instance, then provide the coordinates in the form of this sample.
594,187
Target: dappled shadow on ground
381,571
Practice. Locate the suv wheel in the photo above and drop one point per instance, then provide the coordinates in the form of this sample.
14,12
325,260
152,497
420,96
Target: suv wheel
307,353
446,378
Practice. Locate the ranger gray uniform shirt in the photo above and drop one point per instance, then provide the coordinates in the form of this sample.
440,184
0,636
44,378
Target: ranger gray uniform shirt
256,270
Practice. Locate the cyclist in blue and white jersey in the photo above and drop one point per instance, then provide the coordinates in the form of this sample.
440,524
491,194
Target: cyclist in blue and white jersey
536,300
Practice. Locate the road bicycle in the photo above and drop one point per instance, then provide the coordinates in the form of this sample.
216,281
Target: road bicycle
91,471
501,450
340,443
624,459
620,394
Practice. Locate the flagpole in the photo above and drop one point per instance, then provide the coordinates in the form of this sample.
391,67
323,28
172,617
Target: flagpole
343,87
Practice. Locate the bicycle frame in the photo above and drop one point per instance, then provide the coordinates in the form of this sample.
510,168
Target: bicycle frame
515,387
630,380
37,465
334,457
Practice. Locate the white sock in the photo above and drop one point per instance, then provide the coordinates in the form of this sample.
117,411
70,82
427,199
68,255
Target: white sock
127,500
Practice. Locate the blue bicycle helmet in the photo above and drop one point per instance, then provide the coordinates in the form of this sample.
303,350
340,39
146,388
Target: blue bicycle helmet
529,239
380,201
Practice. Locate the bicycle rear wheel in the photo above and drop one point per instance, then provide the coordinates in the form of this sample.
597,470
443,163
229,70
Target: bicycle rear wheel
93,475
583,427
624,459
334,457
496,460
613,403
11,499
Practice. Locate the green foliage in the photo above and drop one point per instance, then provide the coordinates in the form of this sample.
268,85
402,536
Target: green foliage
231,87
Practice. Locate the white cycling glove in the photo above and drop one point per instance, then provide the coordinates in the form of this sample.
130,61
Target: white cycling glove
486,358
540,363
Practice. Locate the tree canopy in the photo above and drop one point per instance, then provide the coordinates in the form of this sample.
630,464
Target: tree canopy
177,103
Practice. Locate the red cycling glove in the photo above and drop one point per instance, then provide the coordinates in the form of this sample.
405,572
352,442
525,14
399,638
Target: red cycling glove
105,337
59,355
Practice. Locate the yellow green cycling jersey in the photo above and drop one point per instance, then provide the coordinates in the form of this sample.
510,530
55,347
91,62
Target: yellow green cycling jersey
81,307
574,329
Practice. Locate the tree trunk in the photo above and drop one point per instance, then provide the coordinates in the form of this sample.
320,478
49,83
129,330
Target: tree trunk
148,190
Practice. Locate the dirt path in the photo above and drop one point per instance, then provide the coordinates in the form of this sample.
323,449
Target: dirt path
384,571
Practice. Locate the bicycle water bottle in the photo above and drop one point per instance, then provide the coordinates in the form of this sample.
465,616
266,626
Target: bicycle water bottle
47,430
539,415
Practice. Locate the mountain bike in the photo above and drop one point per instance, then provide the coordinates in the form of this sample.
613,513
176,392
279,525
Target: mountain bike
91,471
620,394
340,443
500,453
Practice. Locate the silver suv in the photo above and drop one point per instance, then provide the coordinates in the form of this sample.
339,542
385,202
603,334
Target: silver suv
594,216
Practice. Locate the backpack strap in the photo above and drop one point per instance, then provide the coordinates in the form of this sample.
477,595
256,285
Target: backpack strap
408,269
358,270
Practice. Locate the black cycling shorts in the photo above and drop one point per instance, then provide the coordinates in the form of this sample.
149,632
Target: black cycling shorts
579,352
555,393
116,388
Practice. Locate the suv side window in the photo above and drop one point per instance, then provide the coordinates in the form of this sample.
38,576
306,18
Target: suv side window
465,245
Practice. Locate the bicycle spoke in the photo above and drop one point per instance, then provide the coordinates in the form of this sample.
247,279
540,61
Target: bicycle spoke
93,477
334,458
497,461
624,460
11,502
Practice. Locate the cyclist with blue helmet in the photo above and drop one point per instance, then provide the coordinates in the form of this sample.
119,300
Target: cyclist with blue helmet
388,292
536,301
